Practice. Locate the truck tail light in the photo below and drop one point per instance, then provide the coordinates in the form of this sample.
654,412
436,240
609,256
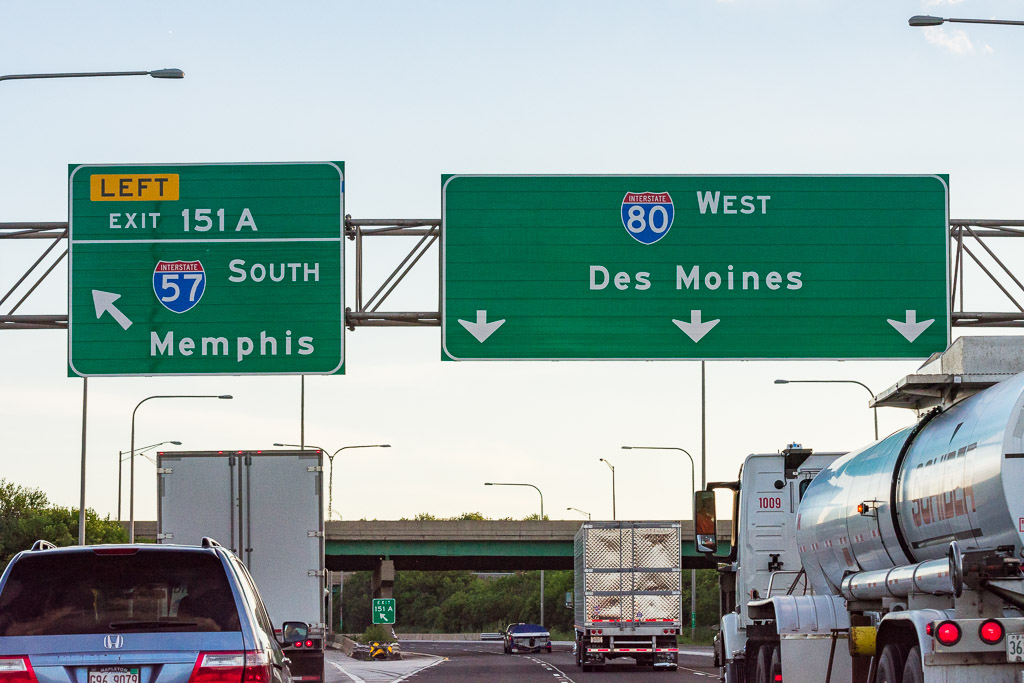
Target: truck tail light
16,670
250,666
991,632
309,643
948,633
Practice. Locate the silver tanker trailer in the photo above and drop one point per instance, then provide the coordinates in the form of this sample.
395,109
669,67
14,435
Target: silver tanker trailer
899,562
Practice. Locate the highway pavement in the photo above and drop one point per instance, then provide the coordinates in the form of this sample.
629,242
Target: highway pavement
426,661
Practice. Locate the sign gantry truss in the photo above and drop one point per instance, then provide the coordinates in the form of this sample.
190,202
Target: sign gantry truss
971,242
964,235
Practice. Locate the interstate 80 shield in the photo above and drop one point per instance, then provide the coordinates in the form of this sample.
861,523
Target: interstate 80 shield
647,216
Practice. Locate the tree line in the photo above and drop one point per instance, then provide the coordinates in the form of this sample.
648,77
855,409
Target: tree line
27,516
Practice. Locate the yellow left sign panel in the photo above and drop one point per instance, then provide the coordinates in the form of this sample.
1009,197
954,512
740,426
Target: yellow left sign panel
133,187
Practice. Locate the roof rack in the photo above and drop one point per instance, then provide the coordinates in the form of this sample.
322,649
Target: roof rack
210,543
42,545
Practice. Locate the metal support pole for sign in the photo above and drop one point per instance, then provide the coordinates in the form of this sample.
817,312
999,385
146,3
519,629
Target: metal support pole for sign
302,411
81,498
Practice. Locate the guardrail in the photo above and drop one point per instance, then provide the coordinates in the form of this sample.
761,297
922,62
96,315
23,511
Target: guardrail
490,636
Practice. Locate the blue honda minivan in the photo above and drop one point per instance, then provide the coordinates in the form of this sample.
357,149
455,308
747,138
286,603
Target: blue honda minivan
134,614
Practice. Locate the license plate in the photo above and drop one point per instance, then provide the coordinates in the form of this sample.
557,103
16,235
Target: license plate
597,639
113,674
1015,647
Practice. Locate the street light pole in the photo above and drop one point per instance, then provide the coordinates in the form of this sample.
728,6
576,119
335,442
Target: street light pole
693,572
612,468
925,20
835,381
121,459
491,483
131,468
582,512
157,73
330,460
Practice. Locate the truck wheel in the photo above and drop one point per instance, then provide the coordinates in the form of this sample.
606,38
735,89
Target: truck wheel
912,671
890,665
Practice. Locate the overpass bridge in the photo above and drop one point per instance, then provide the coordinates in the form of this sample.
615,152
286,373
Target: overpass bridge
385,547
477,545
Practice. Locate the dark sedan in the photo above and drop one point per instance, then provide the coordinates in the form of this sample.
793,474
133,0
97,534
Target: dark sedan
525,638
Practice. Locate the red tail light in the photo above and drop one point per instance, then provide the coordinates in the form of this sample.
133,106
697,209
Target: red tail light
309,643
232,667
16,670
778,678
991,632
298,643
948,633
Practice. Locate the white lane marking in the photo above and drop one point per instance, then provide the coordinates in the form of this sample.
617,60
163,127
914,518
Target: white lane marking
413,673
555,668
699,673
355,679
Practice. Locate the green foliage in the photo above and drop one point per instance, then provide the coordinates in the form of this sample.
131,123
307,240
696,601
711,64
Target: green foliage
464,517
707,598
26,516
377,633
460,602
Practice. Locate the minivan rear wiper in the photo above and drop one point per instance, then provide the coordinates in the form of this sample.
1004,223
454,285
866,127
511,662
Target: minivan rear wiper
141,623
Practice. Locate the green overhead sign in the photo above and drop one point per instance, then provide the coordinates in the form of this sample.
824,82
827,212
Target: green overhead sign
685,267
197,269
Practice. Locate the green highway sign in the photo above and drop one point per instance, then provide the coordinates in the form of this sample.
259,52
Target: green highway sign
694,267
383,610
203,269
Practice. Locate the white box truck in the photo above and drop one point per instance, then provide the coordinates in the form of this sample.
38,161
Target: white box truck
628,581
267,507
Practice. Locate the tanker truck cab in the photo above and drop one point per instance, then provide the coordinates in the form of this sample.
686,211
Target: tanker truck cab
764,560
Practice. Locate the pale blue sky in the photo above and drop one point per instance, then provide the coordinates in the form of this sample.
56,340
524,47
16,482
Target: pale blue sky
406,91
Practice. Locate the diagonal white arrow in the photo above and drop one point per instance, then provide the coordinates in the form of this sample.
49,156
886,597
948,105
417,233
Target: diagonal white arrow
911,329
695,329
481,329
104,302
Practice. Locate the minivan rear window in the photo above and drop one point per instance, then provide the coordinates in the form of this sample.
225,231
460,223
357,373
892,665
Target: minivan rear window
51,593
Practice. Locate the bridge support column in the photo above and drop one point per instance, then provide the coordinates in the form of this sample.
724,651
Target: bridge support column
383,579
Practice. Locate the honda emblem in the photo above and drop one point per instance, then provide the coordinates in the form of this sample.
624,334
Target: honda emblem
113,642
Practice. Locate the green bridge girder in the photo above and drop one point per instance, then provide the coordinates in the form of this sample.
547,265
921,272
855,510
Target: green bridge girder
465,545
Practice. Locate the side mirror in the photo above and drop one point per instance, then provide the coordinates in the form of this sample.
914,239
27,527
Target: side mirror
294,632
705,522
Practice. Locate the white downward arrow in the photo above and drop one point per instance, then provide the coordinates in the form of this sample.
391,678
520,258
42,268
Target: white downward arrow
481,329
911,329
104,302
695,329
